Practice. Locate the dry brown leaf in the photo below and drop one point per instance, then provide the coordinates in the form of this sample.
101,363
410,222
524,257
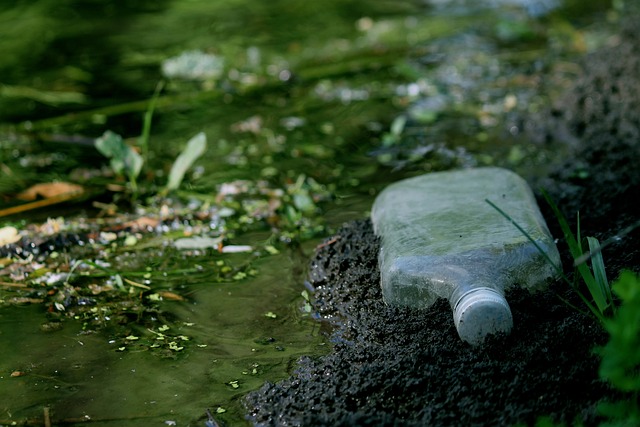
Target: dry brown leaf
170,296
49,190
142,223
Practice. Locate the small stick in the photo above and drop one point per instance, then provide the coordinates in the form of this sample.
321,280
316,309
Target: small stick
13,285
47,418
588,255
41,203
136,284
328,242
211,422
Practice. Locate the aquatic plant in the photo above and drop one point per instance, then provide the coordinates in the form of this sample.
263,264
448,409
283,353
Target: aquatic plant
123,159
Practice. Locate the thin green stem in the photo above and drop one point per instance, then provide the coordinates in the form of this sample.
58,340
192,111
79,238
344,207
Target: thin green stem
558,268
146,126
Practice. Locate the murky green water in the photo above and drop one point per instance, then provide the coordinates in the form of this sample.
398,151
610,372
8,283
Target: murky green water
309,89
83,375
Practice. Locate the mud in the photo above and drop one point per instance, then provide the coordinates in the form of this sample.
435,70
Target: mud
393,367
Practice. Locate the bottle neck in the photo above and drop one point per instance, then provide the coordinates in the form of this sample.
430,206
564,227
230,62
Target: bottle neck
465,288
480,312
452,282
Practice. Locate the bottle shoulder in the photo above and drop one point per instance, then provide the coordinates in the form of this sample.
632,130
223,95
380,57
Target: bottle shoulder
447,213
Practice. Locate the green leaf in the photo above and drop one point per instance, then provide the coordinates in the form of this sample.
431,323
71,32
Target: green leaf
124,159
303,201
621,414
395,133
194,149
621,356
398,125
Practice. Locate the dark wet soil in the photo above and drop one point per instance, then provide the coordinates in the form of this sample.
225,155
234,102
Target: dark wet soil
393,367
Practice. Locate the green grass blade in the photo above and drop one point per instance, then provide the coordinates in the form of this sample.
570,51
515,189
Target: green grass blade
594,288
600,275
574,245
596,312
146,125
558,268
575,248
610,240
579,234
597,285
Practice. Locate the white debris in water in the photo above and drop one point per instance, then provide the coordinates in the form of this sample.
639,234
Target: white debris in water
198,242
233,249
193,65
52,278
329,91
292,122
534,8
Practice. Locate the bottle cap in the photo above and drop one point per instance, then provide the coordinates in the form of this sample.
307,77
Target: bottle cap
480,312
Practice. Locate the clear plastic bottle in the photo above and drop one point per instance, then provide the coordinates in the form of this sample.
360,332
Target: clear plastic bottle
441,239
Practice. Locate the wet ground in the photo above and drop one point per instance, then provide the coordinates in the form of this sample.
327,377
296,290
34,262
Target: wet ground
396,367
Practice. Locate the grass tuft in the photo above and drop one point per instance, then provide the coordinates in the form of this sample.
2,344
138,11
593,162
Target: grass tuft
595,278
620,363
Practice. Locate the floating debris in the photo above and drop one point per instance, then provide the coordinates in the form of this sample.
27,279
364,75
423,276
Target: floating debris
193,65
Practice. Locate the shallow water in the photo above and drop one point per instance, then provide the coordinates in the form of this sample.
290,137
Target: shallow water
83,375
310,89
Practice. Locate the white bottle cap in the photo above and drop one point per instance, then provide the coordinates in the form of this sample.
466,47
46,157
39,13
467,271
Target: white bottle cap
480,312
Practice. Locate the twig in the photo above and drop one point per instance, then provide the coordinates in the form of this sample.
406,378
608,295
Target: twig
14,285
328,242
588,255
41,203
47,418
136,284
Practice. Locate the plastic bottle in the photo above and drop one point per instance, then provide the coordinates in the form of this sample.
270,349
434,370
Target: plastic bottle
441,239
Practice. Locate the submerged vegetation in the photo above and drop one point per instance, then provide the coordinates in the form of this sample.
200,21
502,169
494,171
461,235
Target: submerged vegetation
68,265
98,271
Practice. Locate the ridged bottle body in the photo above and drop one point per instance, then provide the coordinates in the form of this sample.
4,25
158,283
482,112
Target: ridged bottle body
441,239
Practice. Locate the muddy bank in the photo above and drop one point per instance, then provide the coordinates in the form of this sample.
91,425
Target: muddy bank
399,367
599,118
409,367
